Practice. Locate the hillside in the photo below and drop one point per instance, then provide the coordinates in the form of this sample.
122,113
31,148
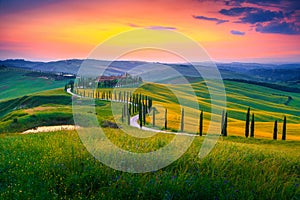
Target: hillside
274,73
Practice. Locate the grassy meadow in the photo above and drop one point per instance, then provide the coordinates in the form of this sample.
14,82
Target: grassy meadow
56,165
267,104
15,83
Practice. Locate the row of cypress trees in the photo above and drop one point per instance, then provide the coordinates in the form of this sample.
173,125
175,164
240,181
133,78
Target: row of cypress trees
252,127
136,102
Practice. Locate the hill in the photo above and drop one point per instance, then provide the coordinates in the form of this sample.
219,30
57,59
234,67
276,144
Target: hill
274,73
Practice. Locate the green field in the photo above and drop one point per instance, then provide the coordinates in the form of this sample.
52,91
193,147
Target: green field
56,165
14,84
267,104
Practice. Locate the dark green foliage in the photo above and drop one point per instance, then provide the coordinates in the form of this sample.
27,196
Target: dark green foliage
140,114
166,119
224,129
252,126
201,124
284,129
222,121
128,116
122,117
153,120
150,103
144,113
247,123
275,130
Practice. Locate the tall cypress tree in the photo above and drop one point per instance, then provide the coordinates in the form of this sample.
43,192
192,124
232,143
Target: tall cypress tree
222,122
225,126
128,117
284,129
122,117
247,123
182,120
140,114
252,126
275,130
144,113
153,120
166,118
201,123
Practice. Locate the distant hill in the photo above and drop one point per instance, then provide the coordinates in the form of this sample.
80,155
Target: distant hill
281,73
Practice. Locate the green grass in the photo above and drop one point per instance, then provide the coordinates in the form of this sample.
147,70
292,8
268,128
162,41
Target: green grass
14,84
57,166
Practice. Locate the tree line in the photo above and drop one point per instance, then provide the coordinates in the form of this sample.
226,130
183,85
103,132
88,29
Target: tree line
137,103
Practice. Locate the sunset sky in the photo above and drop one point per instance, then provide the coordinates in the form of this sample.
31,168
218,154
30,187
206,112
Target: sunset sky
242,30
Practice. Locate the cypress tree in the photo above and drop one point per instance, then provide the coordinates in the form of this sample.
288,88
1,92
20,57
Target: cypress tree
150,103
166,118
284,129
225,126
128,117
252,126
247,123
146,104
201,123
222,122
144,114
182,120
153,120
275,130
140,114
122,117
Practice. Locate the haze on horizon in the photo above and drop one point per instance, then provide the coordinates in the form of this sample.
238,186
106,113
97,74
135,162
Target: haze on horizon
243,30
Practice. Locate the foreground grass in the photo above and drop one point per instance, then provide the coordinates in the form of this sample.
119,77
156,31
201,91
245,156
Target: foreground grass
57,166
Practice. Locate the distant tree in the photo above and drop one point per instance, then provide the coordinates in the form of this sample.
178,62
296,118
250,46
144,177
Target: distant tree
201,123
146,104
275,130
150,103
140,114
225,126
122,117
128,117
130,105
222,121
144,113
153,120
182,120
252,126
66,87
166,118
247,123
284,129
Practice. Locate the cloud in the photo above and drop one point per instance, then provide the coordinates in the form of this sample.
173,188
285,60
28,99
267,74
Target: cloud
273,16
218,21
236,11
234,32
252,15
283,28
152,27
133,25
256,2
160,28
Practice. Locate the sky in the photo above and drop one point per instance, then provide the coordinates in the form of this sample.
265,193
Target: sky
265,31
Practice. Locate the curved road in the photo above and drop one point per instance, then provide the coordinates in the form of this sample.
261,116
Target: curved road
134,121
